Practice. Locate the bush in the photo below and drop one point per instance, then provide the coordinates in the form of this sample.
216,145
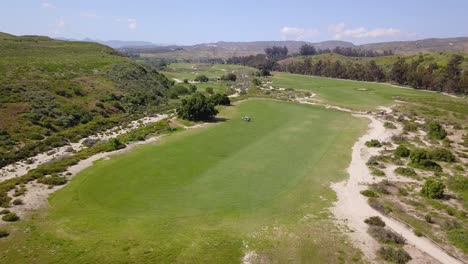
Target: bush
115,144
17,202
10,217
229,77
390,254
420,158
433,189
201,78
369,193
3,233
410,126
209,90
377,205
401,152
374,143
373,161
53,180
459,237
389,125
384,235
442,154
406,172
375,221
377,172
435,130
428,219
4,211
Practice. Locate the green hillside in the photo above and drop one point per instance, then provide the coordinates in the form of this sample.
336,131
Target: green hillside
53,91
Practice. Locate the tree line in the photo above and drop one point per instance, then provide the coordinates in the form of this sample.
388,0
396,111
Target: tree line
308,49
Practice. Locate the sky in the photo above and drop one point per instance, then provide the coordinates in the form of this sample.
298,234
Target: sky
204,21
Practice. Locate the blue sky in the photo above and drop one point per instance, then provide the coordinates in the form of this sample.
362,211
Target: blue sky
190,22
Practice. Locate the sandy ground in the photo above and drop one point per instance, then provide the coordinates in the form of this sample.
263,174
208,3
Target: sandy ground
22,167
352,207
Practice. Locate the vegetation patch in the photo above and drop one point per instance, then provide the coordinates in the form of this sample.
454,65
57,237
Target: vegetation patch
369,193
394,255
10,217
433,188
3,233
375,221
409,172
385,235
373,143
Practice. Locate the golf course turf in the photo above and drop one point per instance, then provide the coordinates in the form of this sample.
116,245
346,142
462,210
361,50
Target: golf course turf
206,195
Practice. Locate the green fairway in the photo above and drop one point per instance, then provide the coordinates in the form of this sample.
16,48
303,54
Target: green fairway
205,195
365,95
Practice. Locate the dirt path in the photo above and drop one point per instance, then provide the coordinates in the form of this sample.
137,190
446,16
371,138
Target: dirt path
352,207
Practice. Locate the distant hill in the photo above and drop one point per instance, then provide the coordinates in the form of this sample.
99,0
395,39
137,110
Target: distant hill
116,44
62,90
422,46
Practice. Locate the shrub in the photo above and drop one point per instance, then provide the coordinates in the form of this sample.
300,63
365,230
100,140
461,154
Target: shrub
410,126
201,78
420,158
398,138
389,125
53,180
435,130
10,217
3,233
401,152
433,189
369,193
4,211
377,205
442,154
459,237
377,172
384,235
428,219
406,172
17,202
373,161
390,254
209,90
373,143
418,232
375,221
229,77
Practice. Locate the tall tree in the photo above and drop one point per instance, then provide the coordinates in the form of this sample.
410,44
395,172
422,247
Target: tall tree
307,49
399,71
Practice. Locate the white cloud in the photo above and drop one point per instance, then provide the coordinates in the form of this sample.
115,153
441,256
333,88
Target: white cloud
60,23
294,33
132,23
48,5
341,31
89,15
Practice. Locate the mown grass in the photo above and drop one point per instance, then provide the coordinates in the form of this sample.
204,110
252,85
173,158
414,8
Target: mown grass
367,95
203,194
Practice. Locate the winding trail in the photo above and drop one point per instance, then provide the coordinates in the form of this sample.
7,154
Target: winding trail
352,207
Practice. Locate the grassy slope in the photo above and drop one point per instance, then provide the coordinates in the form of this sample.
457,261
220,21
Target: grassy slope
199,195
44,80
366,95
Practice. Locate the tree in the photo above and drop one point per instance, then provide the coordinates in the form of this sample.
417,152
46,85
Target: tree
276,53
399,71
192,88
201,78
196,108
220,99
307,49
433,188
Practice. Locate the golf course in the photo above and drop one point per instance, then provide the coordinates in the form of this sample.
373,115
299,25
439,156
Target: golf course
206,195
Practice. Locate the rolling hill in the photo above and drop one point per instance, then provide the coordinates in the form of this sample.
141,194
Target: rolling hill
54,91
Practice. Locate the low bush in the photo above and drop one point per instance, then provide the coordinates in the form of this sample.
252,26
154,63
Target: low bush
390,254
377,172
459,237
10,217
384,235
398,138
435,130
201,78
375,221
369,193
410,126
3,233
389,125
373,143
377,205
428,219
442,154
53,180
401,152
17,202
373,161
4,211
406,172
433,188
